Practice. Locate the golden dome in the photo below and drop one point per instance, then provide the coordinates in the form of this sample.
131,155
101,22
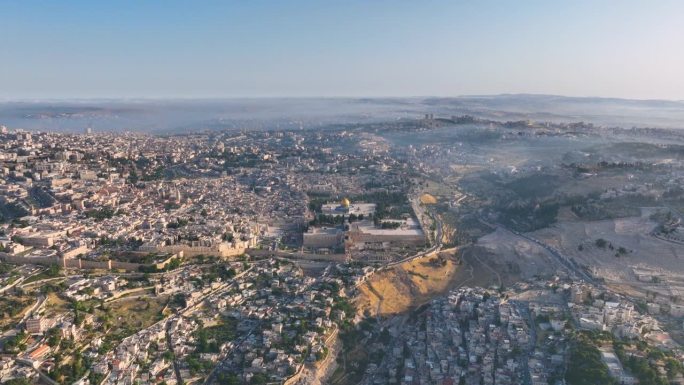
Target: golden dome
345,202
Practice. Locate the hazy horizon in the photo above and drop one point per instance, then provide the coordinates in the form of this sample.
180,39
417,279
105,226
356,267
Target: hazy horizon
190,115
6,100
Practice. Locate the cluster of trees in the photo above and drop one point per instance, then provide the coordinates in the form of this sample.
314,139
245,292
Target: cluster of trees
179,300
644,368
210,339
103,213
259,379
388,204
156,174
20,223
147,258
168,206
353,343
68,373
316,204
343,304
390,225
81,309
5,267
603,165
592,207
18,381
172,265
219,271
354,217
197,365
530,216
51,272
106,241
143,163
54,337
16,343
228,378
602,244
11,211
246,159
96,378
585,366
322,219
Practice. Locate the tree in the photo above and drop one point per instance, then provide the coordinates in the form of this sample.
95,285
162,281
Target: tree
385,336
54,337
228,379
585,366
133,177
259,379
16,343
18,381
673,367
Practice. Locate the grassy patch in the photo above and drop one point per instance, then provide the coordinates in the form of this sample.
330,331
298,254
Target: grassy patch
210,339
130,315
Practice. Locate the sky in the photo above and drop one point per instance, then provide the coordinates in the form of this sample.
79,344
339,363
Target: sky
350,48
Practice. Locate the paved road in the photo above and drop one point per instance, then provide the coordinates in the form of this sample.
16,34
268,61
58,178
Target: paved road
39,302
524,310
176,367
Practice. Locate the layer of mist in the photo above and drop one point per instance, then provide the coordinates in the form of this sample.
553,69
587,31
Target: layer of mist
177,116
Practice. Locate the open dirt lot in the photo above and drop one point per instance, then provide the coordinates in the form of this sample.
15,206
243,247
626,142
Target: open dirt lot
428,199
643,254
136,313
409,285
513,257
632,233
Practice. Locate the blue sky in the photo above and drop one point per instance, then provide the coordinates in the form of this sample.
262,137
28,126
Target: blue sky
253,48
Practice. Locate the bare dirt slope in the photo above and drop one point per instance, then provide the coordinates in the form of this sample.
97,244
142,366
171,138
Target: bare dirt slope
513,257
410,284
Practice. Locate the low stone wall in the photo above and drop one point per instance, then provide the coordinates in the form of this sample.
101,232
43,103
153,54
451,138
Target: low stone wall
222,250
293,380
298,255
26,260
319,257
123,293
193,251
78,263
